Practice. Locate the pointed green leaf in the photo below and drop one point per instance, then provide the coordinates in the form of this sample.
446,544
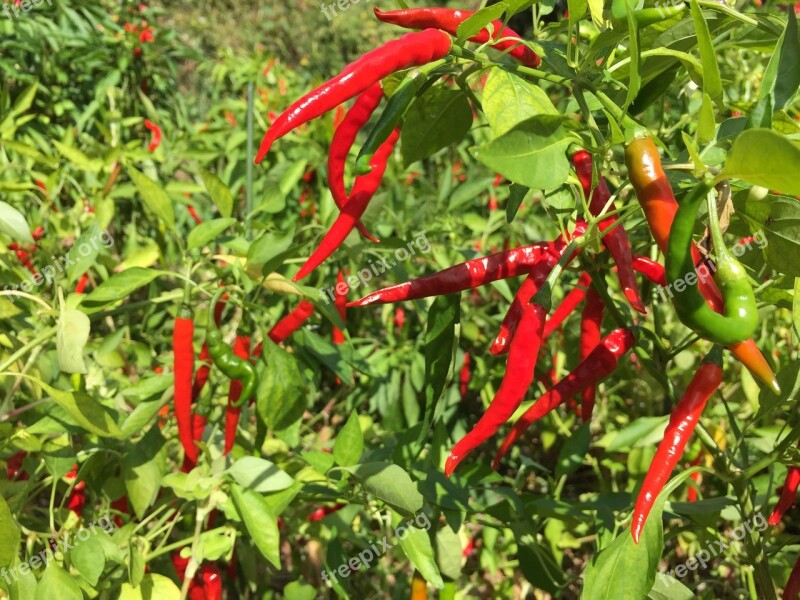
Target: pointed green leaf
220,194
154,197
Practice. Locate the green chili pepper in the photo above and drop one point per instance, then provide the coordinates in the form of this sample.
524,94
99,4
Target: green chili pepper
226,361
663,11
741,313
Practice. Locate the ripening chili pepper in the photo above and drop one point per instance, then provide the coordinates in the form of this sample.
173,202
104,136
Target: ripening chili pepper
80,287
517,379
792,589
241,349
616,240
467,275
448,19
464,376
682,423
602,361
568,305
340,302
741,313
419,588
324,511
591,321
232,366
183,370
194,215
343,139
156,131
413,49
658,203
788,495
364,189
526,291
291,322
652,270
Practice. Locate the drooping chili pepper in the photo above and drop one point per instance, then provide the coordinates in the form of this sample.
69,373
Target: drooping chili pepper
155,141
682,423
651,269
340,302
616,240
448,20
467,275
241,349
364,189
411,50
792,589
658,203
788,495
464,376
323,512
232,366
291,322
602,361
591,321
517,379
343,138
568,305
646,16
183,370
741,313
526,291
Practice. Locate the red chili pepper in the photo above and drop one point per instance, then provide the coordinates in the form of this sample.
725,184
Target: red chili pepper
788,495
792,589
77,497
470,274
146,36
364,189
591,321
156,131
681,424
517,379
594,368
448,19
80,287
323,512
526,291
568,305
651,269
38,233
465,376
340,302
399,318
14,466
616,240
120,505
212,582
241,348
291,322
411,50
697,477
183,368
194,214
343,139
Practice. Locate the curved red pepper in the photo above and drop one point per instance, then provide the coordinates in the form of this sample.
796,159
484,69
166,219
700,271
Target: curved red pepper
517,379
591,321
290,323
155,141
411,50
241,348
788,495
597,366
448,19
183,369
323,512
568,305
651,269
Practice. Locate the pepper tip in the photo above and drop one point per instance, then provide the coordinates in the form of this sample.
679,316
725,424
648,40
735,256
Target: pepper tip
775,386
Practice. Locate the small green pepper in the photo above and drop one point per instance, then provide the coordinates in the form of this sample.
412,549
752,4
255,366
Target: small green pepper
741,312
226,361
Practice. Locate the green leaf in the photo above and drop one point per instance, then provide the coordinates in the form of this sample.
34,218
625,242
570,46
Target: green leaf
220,194
574,450
437,119
472,26
84,252
13,224
152,587
78,158
259,521
87,412
57,583
73,334
89,559
154,197
207,232
349,442
539,567
782,75
706,125
259,474
761,115
634,76
796,308
533,153
766,158
389,483
281,398
440,336
269,250
516,194
669,588
448,552
9,535
712,81
299,590
121,285
508,99
25,99
142,467
416,544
